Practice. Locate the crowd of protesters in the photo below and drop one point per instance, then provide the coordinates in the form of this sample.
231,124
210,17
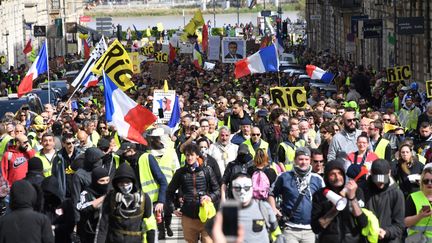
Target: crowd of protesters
71,178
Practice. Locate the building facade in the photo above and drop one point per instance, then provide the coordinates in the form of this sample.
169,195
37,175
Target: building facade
18,17
332,25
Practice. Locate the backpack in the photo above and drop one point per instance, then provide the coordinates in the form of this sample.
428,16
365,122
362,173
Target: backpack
260,185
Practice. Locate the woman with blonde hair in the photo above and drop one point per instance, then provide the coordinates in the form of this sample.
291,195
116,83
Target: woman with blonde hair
418,211
406,170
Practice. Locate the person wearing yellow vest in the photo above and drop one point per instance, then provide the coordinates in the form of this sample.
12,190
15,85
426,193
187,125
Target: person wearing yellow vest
418,213
256,142
47,154
166,157
286,150
409,114
149,175
126,212
381,146
5,138
90,129
244,134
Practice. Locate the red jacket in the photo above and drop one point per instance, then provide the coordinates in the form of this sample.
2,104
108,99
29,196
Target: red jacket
14,164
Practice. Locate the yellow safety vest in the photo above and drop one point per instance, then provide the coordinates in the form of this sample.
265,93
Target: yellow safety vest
94,138
148,183
220,123
380,149
290,153
46,164
263,145
212,137
425,224
166,163
396,104
3,144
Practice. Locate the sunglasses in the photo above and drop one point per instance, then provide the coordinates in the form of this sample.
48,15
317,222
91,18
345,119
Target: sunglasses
318,161
256,134
104,128
351,120
386,119
68,143
427,181
239,188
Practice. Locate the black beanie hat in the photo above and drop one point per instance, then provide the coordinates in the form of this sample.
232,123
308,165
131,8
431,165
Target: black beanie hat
99,172
35,164
334,164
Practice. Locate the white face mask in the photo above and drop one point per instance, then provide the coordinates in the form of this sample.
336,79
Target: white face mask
126,188
242,190
204,151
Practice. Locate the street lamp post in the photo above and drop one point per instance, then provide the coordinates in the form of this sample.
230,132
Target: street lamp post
214,13
238,12
7,44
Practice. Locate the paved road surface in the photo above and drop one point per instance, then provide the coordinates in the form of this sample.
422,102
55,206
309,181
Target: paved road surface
177,230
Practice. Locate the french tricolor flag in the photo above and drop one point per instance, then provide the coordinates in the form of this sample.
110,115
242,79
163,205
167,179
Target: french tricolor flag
129,118
263,61
315,72
39,66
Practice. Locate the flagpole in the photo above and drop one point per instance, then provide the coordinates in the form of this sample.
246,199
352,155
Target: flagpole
48,70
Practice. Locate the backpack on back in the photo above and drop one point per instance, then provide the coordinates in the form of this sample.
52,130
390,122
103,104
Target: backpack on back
260,185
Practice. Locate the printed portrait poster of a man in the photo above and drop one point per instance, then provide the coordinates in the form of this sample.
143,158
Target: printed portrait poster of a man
233,49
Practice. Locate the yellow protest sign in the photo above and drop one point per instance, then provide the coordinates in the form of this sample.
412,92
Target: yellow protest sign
135,62
147,50
2,60
399,73
117,65
289,97
429,88
161,57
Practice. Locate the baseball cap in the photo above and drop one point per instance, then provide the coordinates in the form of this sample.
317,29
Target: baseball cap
126,146
302,151
380,171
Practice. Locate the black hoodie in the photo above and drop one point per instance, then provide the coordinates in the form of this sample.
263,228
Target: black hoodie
344,227
82,178
23,224
111,220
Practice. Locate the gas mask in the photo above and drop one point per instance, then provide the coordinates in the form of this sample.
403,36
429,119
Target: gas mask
242,190
126,188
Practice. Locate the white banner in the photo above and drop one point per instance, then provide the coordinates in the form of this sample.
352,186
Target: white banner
214,48
165,101
186,48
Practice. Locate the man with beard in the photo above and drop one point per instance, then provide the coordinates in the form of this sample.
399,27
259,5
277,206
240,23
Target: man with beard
244,134
233,121
14,162
345,140
295,188
223,151
327,222
424,139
